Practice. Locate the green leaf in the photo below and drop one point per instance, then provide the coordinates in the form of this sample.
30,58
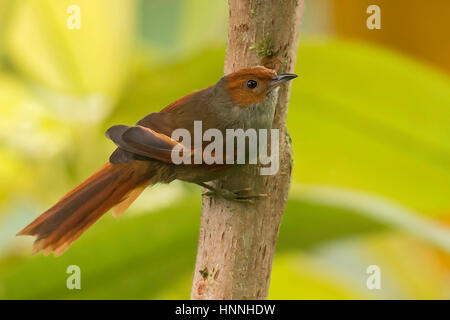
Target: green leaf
375,209
371,120
91,60
141,256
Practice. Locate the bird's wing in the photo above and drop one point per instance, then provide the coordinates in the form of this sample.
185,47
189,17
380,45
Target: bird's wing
151,137
143,142
147,143
162,122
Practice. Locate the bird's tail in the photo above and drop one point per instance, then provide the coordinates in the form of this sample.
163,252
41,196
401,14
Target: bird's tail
114,186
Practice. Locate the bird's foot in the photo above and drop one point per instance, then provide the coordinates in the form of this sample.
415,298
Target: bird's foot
242,195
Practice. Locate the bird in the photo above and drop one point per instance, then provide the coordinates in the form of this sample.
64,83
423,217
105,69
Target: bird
143,155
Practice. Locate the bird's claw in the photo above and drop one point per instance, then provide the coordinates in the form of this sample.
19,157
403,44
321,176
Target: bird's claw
242,195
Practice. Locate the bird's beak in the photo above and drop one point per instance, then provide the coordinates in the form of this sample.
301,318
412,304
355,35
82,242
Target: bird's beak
282,78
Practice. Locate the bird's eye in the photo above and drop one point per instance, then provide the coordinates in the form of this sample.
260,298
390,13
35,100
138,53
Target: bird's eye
252,84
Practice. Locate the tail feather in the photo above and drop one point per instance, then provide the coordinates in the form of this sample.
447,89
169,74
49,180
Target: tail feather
112,185
120,208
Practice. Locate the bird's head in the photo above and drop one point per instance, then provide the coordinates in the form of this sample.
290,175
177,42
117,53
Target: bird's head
250,86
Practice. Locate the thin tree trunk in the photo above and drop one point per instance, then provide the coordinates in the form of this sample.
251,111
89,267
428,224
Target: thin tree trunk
237,241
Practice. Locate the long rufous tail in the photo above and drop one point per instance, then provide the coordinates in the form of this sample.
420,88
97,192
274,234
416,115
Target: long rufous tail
114,186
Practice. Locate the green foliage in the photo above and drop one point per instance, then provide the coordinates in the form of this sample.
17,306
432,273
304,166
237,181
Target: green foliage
372,120
155,251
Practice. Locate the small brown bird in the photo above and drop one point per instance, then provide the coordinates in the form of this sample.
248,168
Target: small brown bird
143,155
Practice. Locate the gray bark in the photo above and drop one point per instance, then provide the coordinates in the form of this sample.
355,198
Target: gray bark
237,241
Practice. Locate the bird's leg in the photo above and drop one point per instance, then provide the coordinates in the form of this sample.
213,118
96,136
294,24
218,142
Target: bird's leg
242,195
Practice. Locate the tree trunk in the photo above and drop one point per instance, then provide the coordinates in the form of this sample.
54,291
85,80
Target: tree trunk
237,241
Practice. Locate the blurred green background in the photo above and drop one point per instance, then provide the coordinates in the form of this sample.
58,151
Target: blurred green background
369,119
